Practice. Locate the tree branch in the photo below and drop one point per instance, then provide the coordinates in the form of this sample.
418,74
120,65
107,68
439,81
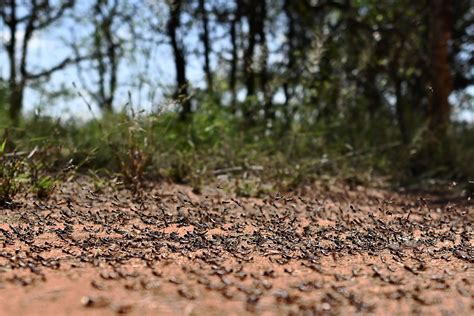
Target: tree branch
48,72
55,16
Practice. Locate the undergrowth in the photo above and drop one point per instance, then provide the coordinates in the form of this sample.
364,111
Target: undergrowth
217,146
36,171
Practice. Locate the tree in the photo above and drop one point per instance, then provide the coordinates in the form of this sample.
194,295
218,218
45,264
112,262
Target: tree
233,18
3,94
111,38
264,56
255,13
30,17
107,50
172,29
205,39
441,26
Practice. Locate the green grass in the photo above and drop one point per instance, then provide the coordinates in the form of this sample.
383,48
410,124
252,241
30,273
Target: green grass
215,144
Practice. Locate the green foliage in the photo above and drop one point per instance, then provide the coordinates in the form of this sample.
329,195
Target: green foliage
44,170
38,171
215,144
128,142
44,187
13,174
349,93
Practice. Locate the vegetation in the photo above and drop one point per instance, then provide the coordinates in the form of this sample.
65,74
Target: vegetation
215,145
290,91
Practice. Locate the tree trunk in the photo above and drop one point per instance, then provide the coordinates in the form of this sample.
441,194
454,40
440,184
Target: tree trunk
106,51
207,46
401,112
234,58
233,64
15,98
371,92
181,93
16,101
264,77
113,64
400,106
100,58
290,57
441,81
249,52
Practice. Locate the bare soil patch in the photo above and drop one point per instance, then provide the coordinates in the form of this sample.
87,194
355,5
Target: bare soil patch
171,252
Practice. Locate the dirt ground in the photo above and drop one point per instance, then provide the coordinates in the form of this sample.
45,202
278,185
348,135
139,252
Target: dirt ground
171,252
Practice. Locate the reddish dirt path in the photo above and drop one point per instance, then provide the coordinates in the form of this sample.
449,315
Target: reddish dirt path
174,253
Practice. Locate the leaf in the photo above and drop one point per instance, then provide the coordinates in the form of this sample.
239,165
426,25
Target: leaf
2,146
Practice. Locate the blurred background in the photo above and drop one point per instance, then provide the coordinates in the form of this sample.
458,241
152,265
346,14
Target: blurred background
273,93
